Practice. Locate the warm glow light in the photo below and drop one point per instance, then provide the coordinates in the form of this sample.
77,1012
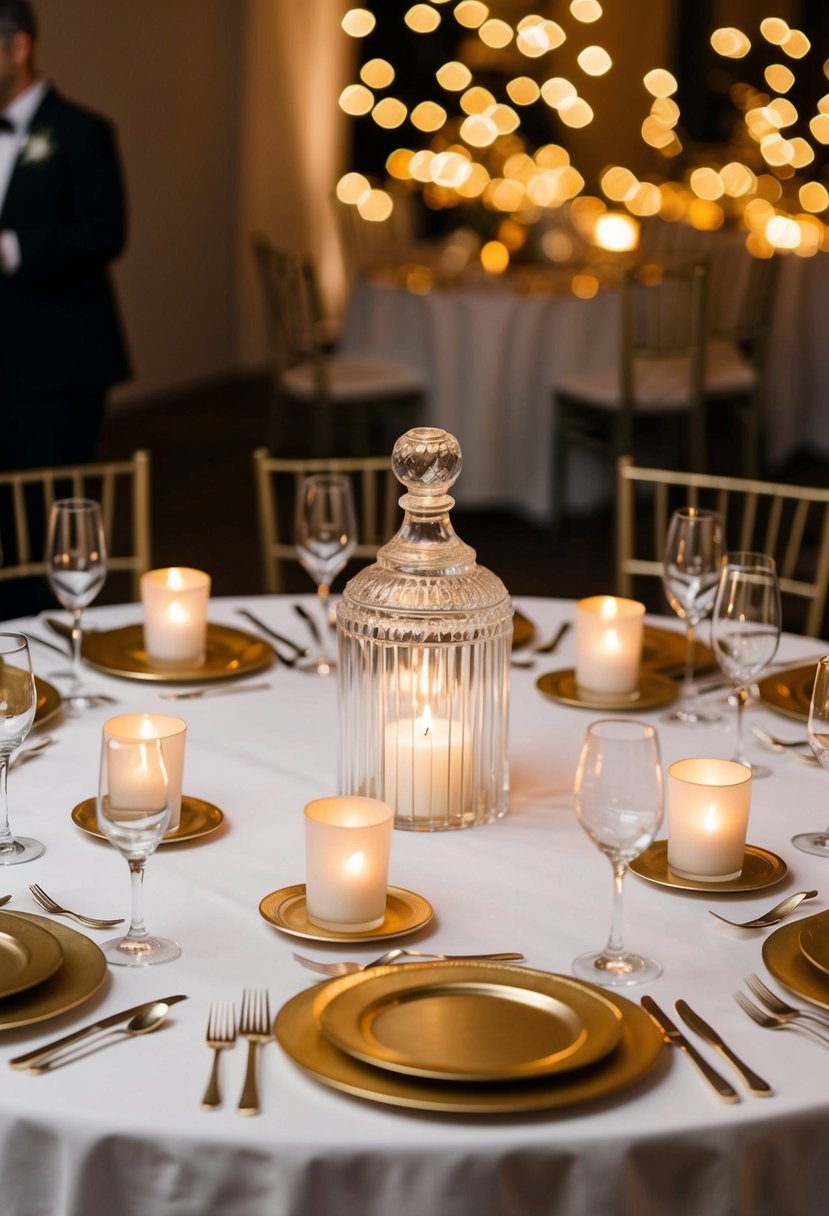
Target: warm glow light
389,113
645,200
776,150
774,30
813,196
796,44
420,165
575,112
453,76
352,187
505,118
784,110
355,864
706,183
377,73
655,133
617,182
523,91
479,131
451,169
730,42
495,33
358,22
819,126
398,164
585,286
428,116
737,179
535,36
476,183
783,232
551,156
705,215
356,99
556,90
594,61
619,233
495,257
422,19
377,206
477,100
586,10
660,83
471,13
779,77
802,153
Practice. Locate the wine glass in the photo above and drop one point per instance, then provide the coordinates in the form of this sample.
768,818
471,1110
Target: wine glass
818,842
745,629
76,557
18,702
618,793
134,813
325,535
690,574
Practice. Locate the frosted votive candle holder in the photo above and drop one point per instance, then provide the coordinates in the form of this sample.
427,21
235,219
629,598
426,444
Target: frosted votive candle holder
347,843
175,614
171,731
609,644
708,808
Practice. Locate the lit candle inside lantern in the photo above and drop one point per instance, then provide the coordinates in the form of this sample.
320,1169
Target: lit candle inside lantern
136,777
708,808
175,614
423,768
171,731
347,842
609,644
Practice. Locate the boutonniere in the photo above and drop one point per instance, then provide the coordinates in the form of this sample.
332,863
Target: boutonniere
39,147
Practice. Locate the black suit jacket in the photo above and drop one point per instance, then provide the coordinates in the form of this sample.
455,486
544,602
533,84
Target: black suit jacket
59,326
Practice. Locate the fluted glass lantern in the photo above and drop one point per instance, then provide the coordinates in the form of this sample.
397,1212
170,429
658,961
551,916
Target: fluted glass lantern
424,639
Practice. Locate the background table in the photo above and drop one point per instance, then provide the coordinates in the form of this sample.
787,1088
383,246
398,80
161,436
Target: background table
123,1132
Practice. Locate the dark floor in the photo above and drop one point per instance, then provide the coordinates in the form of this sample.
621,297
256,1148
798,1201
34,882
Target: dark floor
204,512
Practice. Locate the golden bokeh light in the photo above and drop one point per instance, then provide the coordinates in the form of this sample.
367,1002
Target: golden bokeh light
477,100
476,183
536,36
813,196
505,118
779,77
796,44
656,133
376,206
616,232
494,257
479,131
451,169
776,151
594,61
356,99
823,104
665,110
551,156
556,90
512,234
802,153
786,114
428,116
757,214
420,166
782,232
644,200
504,194
352,187
706,183
704,215
584,286
358,22
398,164
422,19
774,30
558,246
819,126
377,73
730,42
453,76
523,91
617,183
586,11
471,14
660,83
495,33
389,113
737,179
520,166
575,112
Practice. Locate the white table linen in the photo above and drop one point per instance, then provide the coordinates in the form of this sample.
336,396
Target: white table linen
123,1132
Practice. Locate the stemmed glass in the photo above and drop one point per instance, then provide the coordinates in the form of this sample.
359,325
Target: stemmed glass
745,629
618,793
325,532
134,813
690,574
76,557
818,842
18,702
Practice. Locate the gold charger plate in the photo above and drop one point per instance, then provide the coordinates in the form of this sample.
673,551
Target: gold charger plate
814,941
786,961
286,910
468,1021
29,954
230,653
664,650
523,630
761,868
790,692
48,701
198,818
82,974
300,1036
654,690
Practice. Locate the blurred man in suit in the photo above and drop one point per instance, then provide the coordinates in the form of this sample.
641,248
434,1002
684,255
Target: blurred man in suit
61,224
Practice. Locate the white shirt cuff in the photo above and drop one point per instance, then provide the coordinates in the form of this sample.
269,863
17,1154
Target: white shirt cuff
9,252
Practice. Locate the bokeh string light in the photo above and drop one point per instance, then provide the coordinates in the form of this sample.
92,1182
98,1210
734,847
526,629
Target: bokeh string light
471,147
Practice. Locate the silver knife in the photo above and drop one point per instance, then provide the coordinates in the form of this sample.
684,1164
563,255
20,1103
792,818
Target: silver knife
313,629
221,691
756,1084
674,1036
40,1053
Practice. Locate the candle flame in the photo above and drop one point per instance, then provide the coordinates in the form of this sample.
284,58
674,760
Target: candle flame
356,863
710,822
177,612
612,642
174,580
146,730
426,720
609,609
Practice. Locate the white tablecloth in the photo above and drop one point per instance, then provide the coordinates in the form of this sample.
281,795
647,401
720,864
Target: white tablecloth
123,1132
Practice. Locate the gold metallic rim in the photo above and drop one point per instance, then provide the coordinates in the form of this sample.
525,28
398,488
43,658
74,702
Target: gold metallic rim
790,692
664,650
286,910
230,653
198,818
786,961
33,947
523,630
48,701
82,974
814,941
761,868
654,690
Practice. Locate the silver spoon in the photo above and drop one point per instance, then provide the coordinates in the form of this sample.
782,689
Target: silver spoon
777,743
143,1023
773,916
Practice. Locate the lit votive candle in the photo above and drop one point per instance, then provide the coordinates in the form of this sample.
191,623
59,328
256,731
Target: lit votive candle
423,767
347,842
609,644
708,806
125,769
175,614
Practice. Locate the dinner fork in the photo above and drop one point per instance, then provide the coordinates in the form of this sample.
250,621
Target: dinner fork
773,1002
49,905
255,1026
348,968
772,1021
221,1034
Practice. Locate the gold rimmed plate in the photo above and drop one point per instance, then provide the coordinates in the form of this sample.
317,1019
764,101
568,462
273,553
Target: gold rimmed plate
761,868
523,630
287,911
814,941
468,1021
653,691
300,1036
784,957
198,818
82,973
230,653
664,650
29,954
790,692
48,701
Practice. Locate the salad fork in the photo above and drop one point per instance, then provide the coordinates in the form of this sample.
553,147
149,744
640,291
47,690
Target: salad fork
255,1026
779,1007
221,1034
773,1021
348,968
49,905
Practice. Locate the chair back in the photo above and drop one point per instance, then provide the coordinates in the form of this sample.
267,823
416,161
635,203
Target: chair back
790,523
376,491
293,311
122,487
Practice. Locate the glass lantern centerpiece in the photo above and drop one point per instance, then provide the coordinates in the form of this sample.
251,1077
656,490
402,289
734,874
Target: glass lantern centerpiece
425,636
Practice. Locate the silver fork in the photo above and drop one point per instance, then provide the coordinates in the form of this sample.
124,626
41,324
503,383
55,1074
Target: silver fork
772,1021
48,904
255,1026
347,968
221,1034
779,1007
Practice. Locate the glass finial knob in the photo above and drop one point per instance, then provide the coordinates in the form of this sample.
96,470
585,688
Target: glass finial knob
427,460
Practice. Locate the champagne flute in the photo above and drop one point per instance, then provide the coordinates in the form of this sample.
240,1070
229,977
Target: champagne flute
818,842
691,572
76,556
325,536
134,813
745,629
18,702
618,793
